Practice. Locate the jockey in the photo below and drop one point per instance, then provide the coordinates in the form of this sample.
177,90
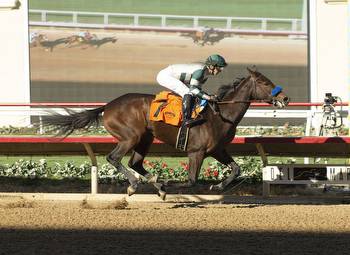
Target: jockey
186,80
33,36
85,35
205,33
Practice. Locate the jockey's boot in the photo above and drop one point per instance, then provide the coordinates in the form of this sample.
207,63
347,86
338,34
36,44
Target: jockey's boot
188,104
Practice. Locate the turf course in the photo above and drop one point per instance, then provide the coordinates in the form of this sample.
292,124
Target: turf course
229,8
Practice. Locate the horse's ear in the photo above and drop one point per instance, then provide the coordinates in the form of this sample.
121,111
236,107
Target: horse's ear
251,72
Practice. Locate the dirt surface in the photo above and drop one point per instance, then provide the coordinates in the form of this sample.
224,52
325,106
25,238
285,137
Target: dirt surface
172,228
137,57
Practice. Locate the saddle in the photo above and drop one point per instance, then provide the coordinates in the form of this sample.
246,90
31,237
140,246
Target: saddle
167,108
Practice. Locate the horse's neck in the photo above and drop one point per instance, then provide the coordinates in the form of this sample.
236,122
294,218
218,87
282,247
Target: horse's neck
242,92
242,95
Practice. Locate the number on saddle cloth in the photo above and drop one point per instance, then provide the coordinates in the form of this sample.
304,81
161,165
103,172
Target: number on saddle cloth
167,107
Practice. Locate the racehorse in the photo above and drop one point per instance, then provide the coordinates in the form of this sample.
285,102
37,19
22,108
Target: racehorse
94,41
49,45
127,119
97,43
77,39
38,40
206,36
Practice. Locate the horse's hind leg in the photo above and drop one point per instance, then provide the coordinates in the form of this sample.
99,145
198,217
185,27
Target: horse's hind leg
224,158
138,155
115,158
136,163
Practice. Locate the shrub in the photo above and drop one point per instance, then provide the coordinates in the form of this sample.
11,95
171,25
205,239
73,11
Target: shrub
26,168
164,172
69,170
109,174
215,171
251,169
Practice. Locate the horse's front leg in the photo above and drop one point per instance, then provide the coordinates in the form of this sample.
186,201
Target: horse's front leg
224,158
194,164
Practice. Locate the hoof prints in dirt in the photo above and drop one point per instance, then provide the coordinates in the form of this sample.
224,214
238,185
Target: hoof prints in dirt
117,205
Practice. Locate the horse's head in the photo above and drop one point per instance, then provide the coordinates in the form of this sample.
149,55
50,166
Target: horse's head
42,37
266,90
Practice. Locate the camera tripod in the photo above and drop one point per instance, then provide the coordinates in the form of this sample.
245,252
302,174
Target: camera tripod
331,121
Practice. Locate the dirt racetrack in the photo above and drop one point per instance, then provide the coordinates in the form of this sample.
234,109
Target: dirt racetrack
78,73
137,57
173,228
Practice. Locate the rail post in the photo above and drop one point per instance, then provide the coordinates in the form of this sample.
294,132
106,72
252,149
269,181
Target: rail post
94,169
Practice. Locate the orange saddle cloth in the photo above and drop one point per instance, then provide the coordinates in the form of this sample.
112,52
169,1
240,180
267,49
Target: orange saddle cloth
167,107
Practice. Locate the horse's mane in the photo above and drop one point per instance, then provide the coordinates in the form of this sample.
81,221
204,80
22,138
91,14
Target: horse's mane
223,89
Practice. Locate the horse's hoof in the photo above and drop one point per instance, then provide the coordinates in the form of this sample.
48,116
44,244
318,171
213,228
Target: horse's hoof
216,188
162,194
151,178
131,190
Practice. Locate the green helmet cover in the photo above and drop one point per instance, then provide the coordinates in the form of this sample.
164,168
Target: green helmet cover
216,60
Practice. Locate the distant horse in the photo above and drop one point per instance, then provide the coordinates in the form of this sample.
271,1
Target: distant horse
49,45
98,42
38,40
77,40
127,119
206,37
43,41
93,42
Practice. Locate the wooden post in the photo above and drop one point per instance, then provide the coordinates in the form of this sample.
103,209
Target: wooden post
262,153
94,169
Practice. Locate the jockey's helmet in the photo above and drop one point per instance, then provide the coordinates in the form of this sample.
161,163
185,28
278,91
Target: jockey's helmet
216,60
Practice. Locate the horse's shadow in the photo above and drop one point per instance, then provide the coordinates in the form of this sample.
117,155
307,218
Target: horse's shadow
50,45
97,43
210,37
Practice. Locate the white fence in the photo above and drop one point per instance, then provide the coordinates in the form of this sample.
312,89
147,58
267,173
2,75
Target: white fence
166,22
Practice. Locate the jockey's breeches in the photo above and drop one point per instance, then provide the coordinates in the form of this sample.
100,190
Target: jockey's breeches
165,79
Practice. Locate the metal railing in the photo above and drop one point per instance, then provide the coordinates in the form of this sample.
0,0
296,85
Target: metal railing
165,22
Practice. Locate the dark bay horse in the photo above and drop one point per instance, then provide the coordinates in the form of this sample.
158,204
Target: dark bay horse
127,119
93,42
98,42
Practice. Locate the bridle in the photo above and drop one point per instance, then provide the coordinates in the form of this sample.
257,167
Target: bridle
272,97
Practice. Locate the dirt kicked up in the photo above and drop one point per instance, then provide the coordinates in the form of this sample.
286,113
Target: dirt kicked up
39,227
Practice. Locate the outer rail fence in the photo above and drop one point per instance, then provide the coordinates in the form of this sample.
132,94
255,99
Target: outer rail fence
157,22
241,146
312,116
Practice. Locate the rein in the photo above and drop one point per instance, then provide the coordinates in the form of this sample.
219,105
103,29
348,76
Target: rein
215,105
274,93
248,101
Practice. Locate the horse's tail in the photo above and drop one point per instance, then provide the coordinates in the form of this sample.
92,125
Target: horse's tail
66,124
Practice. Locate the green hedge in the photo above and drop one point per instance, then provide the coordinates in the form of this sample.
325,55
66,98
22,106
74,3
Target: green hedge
251,168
